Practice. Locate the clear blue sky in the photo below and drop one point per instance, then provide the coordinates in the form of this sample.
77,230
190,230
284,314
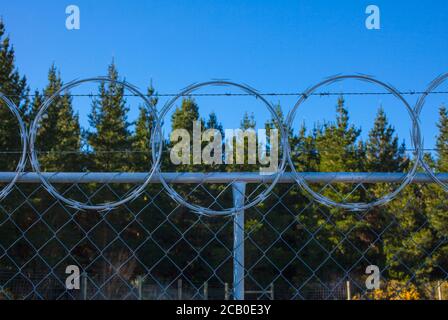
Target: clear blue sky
271,45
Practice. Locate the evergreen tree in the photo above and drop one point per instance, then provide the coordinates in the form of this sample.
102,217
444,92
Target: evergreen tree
15,87
111,140
412,245
337,145
213,123
304,150
340,151
248,121
409,238
442,140
436,204
59,134
142,139
439,206
273,123
184,116
383,154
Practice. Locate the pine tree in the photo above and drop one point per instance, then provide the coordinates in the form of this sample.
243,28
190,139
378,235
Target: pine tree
248,122
420,222
436,204
277,124
111,140
59,134
15,87
273,122
303,150
184,116
260,228
409,238
337,145
213,123
442,140
412,244
339,150
111,143
383,154
142,138
58,145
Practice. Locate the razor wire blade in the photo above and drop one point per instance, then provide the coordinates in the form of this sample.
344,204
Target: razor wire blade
437,82
133,194
157,145
415,140
260,197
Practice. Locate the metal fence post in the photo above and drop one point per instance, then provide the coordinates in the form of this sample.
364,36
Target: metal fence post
205,290
226,291
84,285
140,287
439,290
349,295
179,289
238,191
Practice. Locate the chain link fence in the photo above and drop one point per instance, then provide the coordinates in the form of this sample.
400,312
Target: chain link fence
288,247
231,233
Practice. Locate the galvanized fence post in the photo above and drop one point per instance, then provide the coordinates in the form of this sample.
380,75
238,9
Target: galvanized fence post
226,291
348,291
238,191
179,289
205,290
140,287
84,285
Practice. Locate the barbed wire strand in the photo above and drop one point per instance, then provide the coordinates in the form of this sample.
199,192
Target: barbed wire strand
225,94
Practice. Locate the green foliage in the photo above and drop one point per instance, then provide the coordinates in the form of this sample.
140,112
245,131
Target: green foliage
184,116
337,143
383,154
141,142
59,134
111,140
442,140
14,86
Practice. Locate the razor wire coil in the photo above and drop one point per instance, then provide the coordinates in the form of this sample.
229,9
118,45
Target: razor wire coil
29,141
36,165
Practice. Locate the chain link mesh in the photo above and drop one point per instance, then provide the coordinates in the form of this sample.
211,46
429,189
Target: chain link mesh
153,248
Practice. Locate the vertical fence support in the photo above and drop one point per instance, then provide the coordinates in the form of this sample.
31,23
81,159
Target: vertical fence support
179,289
238,191
439,290
272,291
205,290
349,294
84,285
226,291
140,287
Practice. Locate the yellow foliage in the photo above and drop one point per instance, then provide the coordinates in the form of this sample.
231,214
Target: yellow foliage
394,290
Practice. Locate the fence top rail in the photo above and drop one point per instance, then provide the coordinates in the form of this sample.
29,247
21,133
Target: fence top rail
217,177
